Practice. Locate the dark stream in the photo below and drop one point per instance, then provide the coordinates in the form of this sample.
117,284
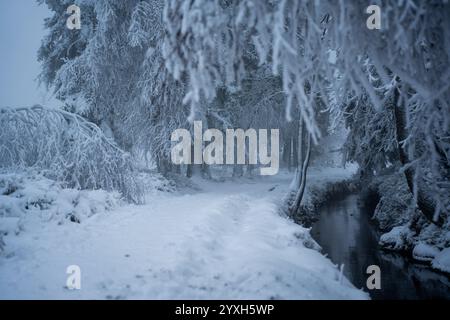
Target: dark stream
346,234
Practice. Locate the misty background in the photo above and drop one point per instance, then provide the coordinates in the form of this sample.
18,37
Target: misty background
21,31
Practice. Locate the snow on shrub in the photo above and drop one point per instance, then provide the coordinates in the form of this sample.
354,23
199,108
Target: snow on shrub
24,195
154,182
442,261
66,148
398,239
424,252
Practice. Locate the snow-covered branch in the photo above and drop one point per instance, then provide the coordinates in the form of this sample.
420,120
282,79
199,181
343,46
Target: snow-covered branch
66,148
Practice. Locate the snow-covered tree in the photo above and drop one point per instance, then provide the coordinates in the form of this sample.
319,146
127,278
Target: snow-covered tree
135,66
324,49
116,78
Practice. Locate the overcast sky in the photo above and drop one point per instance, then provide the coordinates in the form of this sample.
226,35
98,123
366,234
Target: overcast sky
21,31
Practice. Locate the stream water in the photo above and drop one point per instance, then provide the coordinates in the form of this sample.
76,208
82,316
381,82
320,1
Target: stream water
347,236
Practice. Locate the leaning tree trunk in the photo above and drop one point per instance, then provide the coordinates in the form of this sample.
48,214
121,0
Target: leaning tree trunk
298,198
303,163
424,203
295,186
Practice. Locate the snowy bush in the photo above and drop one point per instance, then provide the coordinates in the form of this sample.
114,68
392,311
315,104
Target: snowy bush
153,182
442,261
27,195
398,239
424,252
67,148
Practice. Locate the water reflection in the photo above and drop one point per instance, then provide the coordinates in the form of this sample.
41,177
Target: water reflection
346,235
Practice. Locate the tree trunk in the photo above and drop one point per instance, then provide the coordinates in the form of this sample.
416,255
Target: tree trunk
290,155
164,165
189,172
302,171
424,203
238,170
206,171
295,152
190,167
286,151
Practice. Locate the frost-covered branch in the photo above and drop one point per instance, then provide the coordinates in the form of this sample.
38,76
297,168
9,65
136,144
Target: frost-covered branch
66,148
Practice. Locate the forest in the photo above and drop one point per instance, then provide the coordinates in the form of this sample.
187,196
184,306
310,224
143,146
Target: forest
99,182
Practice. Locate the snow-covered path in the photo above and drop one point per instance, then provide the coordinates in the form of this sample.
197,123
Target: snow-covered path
225,242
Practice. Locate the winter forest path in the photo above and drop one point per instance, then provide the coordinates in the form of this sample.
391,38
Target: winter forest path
224,242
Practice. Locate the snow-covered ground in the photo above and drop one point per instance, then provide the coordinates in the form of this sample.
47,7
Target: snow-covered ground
226,241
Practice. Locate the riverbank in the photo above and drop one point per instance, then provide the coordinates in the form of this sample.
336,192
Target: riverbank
358,239
401,228
349,237
404,228
323,185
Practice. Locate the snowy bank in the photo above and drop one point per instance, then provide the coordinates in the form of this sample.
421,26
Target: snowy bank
405,227
324,183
